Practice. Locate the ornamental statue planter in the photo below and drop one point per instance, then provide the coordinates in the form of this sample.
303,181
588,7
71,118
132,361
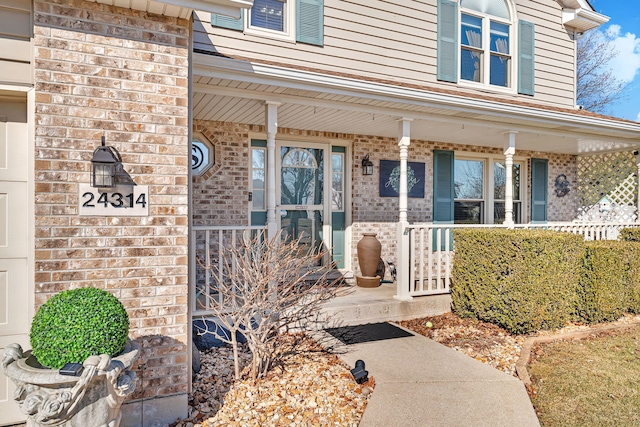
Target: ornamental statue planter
91,399
369,250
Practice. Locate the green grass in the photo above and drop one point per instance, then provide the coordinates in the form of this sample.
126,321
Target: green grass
591,382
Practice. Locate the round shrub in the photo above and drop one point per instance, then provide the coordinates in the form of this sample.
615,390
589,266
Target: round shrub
76,324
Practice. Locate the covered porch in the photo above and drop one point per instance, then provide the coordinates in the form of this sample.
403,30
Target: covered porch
384,121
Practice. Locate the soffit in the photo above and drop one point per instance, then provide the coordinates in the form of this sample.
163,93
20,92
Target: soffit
182,8
306,105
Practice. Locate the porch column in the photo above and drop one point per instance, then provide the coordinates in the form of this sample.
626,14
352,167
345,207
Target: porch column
271,125
509,151
403,277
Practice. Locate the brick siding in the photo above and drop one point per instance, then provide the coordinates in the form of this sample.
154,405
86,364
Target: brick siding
218,201
101,69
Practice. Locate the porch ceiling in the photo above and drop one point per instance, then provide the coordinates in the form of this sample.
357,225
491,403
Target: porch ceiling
224,91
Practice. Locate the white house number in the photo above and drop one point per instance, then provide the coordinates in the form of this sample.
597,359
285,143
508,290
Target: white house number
123,200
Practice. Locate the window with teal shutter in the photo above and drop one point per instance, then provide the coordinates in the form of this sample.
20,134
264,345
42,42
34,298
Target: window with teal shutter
526,63
228,22
271,16
447,41
539,191
310,21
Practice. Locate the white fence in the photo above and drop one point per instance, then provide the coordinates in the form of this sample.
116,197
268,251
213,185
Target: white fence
206,243
428,259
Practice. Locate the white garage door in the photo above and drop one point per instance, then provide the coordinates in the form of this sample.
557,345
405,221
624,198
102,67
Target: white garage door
15,310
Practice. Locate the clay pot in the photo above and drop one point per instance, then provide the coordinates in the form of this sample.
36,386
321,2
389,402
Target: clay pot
369,250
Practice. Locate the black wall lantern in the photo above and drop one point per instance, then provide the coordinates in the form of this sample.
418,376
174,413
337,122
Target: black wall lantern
367,166
107,170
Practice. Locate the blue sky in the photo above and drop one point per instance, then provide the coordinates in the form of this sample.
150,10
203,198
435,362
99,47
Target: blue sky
624,30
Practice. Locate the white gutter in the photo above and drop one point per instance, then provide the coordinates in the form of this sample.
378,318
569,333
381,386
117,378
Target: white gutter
232,69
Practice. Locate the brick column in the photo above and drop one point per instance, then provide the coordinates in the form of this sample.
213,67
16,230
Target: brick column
101,69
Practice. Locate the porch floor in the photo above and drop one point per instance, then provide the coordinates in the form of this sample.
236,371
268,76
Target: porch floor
371,305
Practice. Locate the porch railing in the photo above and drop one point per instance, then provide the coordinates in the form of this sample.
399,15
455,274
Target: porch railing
427,254
206,243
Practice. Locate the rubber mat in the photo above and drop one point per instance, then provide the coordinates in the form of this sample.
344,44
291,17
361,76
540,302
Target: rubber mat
368,333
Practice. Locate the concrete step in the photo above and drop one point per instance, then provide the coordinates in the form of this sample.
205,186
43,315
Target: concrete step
371,305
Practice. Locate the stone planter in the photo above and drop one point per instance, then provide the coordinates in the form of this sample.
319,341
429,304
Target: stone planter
92,399
369,250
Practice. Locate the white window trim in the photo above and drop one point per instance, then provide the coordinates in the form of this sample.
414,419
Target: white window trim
486,41
489,200
289,34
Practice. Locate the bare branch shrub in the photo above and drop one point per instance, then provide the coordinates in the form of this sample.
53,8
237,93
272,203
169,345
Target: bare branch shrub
597,88
264,288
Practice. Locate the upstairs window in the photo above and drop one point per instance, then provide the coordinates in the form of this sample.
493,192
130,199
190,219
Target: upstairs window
269,15
485,42
478,43
294,20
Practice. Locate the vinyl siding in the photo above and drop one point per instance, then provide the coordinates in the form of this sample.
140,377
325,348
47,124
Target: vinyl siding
15,41
396,41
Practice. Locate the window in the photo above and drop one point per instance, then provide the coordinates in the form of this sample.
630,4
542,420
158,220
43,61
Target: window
337,181
476,202
479,44
295,20
269,14
468,187
485,52
202,155
499,191
258,174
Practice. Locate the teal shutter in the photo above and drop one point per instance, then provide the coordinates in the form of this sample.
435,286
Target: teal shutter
443,193
228,22
526,63
447,41
539,192
310,21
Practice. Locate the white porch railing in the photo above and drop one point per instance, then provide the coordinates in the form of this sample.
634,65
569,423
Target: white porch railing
205,245
428,258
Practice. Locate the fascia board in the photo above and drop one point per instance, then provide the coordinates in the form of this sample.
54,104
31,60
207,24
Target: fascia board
298,79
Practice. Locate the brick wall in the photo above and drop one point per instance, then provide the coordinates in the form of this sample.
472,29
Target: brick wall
100,69
218,201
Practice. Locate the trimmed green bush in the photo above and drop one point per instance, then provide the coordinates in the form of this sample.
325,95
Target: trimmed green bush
630,234
76,324
633,276
522,280
603,281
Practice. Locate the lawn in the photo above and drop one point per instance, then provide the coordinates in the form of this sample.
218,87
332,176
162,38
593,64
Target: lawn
590,382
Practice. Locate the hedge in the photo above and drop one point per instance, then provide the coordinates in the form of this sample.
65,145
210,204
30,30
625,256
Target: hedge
603,281
630,234
522,280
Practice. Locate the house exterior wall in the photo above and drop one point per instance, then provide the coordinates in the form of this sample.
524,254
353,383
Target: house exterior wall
112,71
219,196
396,42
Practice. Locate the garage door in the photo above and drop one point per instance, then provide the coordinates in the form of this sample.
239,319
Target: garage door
15,307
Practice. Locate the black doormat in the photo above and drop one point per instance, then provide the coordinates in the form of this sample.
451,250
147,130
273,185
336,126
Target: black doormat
367,333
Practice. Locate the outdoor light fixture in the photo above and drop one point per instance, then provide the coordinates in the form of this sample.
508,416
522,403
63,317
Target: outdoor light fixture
359,374
367,166
107,170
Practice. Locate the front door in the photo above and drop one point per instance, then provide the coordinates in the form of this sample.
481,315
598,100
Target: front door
14,237
301,194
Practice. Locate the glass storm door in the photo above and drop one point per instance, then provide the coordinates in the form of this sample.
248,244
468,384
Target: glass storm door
301,193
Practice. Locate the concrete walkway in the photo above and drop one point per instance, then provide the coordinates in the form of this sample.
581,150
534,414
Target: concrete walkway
421,383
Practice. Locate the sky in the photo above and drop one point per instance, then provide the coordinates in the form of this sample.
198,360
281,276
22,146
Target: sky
623,29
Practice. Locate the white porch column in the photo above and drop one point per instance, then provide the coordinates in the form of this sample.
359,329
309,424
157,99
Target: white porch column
403,277
509,152
271,124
